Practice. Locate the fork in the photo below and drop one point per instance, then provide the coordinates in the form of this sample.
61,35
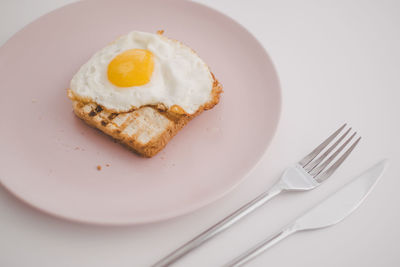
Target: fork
305,175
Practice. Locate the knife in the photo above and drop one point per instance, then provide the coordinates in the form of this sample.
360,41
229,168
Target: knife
329,212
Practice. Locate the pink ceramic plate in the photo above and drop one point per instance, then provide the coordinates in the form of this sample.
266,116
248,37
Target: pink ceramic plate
48,157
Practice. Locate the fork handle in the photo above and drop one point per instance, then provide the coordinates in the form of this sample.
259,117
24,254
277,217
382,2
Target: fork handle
261,247
220,226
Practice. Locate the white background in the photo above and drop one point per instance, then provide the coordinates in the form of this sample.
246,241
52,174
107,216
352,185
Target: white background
338,61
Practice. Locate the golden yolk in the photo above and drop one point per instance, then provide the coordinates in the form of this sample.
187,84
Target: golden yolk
132,67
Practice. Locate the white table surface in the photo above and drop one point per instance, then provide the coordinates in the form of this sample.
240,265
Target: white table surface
338,61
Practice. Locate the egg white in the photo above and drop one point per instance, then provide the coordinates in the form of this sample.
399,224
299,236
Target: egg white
180,77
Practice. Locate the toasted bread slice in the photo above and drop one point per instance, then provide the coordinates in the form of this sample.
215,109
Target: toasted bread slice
146,130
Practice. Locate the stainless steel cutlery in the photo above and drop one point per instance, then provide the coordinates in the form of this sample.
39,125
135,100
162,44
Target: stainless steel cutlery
305,175
329,212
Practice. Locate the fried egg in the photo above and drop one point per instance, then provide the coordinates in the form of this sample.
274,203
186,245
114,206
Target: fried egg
140,69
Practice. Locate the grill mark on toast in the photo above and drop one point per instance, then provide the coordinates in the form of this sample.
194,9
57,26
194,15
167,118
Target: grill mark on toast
112,116
99,109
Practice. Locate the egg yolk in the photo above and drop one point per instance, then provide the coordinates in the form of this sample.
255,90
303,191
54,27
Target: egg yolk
132,67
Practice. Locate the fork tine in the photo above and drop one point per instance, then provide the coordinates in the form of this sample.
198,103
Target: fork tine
310,166
322,166
319,148
325,175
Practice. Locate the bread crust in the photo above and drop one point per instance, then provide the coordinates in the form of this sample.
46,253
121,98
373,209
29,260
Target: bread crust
103,119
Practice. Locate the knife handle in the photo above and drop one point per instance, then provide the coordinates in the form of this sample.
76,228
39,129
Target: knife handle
219,227
260,247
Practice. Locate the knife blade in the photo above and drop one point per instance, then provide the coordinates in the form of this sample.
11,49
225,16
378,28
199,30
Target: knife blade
342,203
329,212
